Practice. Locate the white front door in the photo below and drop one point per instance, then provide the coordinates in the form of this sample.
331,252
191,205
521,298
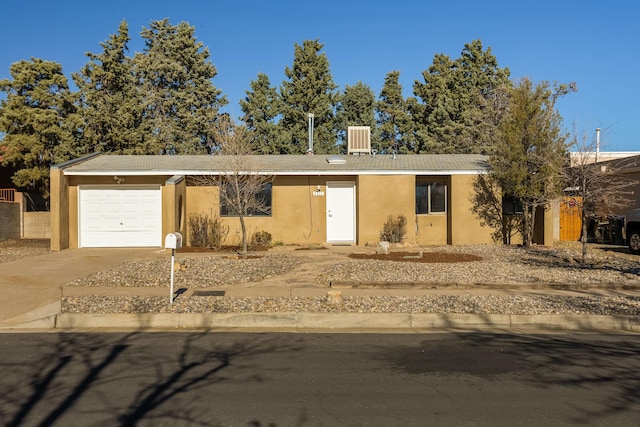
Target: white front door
341,212
120,216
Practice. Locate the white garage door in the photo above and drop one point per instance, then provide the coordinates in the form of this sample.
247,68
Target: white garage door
123,216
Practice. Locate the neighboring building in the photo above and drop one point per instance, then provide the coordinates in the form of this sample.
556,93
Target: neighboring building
120,201
601,156
567,215
629,168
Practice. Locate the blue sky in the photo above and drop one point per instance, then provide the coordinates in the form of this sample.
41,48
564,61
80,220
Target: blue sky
593,43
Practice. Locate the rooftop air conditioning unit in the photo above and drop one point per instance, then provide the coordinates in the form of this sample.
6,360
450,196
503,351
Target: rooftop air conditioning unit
359,140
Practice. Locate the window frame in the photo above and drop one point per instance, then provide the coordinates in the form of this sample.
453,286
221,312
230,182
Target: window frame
429,185
266,192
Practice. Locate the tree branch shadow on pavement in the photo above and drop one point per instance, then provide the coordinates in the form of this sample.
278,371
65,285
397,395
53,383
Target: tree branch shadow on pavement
544,361
44,378
72,377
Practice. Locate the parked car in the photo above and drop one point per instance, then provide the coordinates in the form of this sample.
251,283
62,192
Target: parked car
632,228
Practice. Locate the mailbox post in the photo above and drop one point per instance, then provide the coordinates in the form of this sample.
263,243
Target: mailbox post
172,241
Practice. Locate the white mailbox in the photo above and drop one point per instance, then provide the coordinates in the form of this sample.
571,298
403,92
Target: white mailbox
173,241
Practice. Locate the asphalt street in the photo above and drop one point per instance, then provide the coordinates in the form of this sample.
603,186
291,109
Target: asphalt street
280,379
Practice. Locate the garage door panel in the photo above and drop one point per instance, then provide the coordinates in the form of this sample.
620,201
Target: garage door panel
120,217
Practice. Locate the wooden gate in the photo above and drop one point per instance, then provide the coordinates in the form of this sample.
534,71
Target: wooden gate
570,220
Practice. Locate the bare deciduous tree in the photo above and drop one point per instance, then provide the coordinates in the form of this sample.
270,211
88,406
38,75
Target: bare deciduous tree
241,183
601,187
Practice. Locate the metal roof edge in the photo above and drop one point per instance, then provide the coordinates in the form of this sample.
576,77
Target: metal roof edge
280,173
175,179
76,161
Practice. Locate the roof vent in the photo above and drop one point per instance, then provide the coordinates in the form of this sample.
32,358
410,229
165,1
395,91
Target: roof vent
359,140
336,160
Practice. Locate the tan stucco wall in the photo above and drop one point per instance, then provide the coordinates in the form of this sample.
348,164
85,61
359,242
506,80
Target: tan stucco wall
73,220
465,226
429,229
297,217
379,196
59,210
298,214
383,195
174,206
76,180
199,200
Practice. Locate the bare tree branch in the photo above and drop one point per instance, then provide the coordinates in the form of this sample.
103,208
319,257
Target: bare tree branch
242,182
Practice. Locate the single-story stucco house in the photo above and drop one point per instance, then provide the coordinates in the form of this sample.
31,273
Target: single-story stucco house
126,201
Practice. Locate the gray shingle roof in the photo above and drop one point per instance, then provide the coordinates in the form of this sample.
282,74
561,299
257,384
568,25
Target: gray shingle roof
277,164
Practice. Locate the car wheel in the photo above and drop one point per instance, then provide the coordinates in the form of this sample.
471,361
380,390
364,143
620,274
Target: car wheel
634,241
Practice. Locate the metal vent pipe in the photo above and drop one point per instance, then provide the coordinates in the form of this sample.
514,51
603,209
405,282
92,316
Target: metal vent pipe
597,143
310,149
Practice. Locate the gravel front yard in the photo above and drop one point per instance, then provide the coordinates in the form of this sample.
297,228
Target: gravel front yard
476,264
484,264
452,264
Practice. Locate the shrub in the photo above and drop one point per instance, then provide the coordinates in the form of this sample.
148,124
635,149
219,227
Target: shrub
394,229
206,232
261,238
217,232
198,230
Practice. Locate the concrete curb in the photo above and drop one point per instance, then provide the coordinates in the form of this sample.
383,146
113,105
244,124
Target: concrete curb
337,322
486,286
42,317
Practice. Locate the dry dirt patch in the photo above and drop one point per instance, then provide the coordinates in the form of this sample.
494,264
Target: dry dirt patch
426,257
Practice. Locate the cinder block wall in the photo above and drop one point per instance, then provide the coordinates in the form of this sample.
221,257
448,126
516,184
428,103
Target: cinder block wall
37,225
9,220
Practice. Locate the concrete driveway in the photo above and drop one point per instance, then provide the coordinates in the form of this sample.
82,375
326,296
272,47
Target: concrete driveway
32,287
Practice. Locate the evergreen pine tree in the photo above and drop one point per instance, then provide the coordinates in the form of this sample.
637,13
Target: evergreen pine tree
454,97
486,91
394,119
38,119
110,98
262,108
180,101
310,89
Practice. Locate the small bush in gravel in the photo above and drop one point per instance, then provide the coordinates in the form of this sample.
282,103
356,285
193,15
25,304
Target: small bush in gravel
261,238
206,232
394,229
